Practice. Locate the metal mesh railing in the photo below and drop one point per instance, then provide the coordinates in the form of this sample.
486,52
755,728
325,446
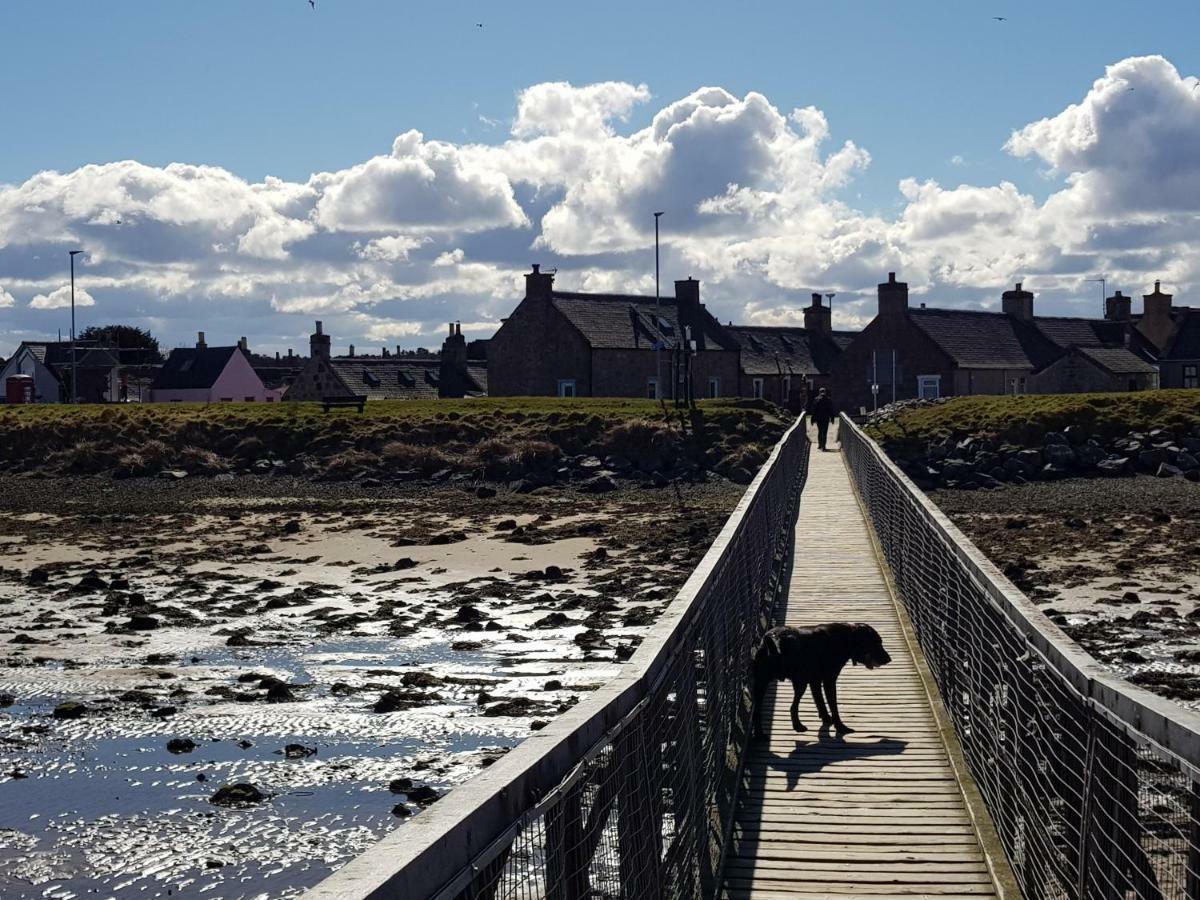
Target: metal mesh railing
632,793
1093,785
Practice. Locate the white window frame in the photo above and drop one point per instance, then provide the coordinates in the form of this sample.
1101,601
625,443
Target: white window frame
756,388
1193,376
566,388
653,389
714,387
925,383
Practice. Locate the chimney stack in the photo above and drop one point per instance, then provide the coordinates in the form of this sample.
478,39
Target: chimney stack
818,317
452,364
200,345
1018,303
539,285
893,296
352,351
318,344
1118,307
1156,323
242,345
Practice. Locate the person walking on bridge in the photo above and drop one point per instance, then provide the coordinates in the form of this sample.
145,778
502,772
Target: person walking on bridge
820,410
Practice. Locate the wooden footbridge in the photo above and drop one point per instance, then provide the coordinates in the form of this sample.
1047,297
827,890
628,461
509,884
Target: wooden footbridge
990,758
881,811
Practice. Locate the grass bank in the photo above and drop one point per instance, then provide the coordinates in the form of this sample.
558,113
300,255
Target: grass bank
493,438
1023,420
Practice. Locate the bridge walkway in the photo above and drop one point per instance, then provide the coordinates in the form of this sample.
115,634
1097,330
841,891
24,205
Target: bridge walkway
876,813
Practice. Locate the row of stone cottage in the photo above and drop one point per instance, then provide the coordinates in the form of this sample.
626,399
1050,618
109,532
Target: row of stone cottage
571,344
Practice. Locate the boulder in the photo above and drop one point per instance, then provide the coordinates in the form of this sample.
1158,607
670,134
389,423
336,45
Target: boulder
1054,437
1031,458
1150,460
1014,467
1186,461
1090,454
237,795
70,709
181,745
1113,466
1059,455
298,751
600,484
1166,470
1075,435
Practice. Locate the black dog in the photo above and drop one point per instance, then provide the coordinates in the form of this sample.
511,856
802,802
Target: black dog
813,656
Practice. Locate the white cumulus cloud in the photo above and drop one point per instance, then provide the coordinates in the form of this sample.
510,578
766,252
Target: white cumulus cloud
61,299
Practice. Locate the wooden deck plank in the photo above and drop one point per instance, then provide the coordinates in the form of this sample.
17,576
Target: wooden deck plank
877,812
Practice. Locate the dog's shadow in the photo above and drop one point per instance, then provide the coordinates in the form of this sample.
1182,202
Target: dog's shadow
811,756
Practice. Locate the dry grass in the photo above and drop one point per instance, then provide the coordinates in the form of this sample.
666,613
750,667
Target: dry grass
493,438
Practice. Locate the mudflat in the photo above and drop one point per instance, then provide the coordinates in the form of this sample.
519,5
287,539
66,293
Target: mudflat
230,686
1114,562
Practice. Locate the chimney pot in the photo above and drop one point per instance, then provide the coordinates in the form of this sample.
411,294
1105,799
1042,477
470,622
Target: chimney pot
200,345
891,277
1018,285
319,331
536,268
351,351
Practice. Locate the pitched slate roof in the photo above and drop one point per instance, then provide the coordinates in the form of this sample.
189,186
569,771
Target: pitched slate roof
192,368
976,339
400,378
632,322
1117,360
1185,342
1071,332
788,351
57,354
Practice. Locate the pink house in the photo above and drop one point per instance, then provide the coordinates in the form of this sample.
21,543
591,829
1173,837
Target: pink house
204,374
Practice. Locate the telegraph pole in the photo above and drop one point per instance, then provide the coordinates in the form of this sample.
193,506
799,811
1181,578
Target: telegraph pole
1103,295
658,315
74,369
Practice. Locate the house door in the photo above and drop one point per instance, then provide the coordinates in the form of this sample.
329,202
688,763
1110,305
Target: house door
929,387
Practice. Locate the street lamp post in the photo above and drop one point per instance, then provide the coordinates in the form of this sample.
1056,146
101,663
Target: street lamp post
74,369
658,385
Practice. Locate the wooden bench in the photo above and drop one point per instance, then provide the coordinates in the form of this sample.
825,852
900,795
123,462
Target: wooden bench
359,400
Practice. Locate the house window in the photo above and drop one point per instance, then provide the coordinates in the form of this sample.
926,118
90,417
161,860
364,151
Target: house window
226,399
249,399
714,386
787,386
1190,377
566,387
757,388
929,387
652,390
1017,385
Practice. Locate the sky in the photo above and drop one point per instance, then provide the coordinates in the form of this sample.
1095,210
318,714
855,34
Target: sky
244,168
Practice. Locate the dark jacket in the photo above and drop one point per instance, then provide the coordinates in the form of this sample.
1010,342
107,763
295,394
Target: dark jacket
820,409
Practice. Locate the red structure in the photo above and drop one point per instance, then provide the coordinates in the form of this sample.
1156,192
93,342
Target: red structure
18,389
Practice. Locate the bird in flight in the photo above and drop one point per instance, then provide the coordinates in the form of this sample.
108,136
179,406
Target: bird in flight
1000,18
312,3
478,24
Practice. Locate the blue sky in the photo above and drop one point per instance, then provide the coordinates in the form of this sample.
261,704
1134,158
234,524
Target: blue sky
271,87
931,91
